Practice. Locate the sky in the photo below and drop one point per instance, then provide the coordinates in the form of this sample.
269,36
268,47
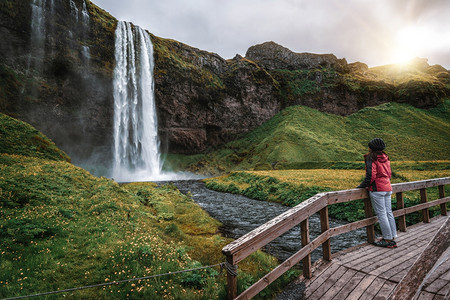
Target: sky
373,32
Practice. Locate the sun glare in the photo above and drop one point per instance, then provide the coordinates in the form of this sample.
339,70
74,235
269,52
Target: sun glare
409,43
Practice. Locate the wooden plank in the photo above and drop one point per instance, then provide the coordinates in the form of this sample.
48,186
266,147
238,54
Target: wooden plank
408,286
400,205
373,289
394,264
380,256
355,194
254,240
396,275
417,185
339,285
442,271
304,232
324,226
330,282
385,291
426,296
231,282
350,286
281,269
418,207
446,275
445,290
346,195
368,212
438,281
436,286
425,211
352,226
361,287
442,195
395,256
318,269
318,281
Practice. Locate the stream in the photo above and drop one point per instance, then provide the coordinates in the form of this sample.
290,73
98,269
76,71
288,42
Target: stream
240,215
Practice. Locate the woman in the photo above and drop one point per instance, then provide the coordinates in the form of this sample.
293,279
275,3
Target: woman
377,181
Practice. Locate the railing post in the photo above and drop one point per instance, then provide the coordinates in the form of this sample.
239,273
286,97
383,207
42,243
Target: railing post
423,199
304,231
400,205
442,195
370,228
324,226
231,278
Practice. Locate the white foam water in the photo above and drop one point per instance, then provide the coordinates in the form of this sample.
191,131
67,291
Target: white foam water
136,143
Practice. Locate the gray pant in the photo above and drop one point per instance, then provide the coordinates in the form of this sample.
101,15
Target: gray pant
381,202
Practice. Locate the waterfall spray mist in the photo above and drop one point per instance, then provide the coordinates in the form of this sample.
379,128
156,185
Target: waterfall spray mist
136,144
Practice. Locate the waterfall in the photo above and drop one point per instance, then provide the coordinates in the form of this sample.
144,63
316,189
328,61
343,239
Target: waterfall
85,21
74,10
85,14
136,144
37,41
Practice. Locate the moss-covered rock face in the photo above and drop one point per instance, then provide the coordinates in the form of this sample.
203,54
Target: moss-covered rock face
58,77
56,63
204,100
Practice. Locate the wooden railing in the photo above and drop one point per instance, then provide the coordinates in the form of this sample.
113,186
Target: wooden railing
261,236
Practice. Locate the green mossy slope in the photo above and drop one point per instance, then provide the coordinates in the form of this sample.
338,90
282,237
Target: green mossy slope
21,138
300,135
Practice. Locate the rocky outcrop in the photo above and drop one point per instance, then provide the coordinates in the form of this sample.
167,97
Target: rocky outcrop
272,56
204,100
59,57
59,78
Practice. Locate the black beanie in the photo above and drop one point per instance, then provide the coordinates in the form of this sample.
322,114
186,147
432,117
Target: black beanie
377,144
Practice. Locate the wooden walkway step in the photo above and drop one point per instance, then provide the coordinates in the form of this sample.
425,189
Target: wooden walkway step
370,272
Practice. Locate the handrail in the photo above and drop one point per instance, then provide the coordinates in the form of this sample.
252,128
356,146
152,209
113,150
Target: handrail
241,248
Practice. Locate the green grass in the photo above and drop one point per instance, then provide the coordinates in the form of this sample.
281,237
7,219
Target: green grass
302,137
23,139
61,227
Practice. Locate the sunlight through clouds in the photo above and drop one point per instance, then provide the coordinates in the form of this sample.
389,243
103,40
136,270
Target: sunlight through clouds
375,33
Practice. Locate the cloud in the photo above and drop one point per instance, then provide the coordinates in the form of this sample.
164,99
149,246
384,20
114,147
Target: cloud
359,30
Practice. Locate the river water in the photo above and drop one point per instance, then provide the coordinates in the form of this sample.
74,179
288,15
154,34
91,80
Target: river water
240,215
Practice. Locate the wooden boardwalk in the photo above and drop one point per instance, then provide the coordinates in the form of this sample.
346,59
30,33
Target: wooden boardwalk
370,272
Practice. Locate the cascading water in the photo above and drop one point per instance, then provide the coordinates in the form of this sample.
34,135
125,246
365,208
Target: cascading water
37,51
85,14
74,10
136,144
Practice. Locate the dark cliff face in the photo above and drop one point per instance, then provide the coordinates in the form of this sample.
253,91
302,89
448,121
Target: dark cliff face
58,61
58,77
204,100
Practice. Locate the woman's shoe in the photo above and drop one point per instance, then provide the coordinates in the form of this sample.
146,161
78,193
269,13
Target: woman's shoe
386,244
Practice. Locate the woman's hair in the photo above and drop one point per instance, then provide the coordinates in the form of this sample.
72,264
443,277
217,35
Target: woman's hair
373,154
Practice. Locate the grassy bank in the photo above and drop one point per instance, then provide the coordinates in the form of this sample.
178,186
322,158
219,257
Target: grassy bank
291,187
61,227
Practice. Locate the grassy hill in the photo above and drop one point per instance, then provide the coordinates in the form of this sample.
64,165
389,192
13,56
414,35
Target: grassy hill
301,137
61,227
23,139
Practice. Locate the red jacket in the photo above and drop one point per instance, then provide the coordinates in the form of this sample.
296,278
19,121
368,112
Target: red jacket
378,174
